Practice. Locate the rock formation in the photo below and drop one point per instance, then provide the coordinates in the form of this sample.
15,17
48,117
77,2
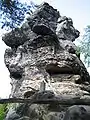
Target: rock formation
43,57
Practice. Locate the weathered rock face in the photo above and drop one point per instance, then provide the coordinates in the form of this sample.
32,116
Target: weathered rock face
42,50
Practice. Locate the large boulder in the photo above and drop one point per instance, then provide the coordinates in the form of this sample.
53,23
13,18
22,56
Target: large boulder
43,57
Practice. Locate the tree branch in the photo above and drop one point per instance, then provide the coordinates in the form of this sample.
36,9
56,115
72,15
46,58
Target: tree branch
57,100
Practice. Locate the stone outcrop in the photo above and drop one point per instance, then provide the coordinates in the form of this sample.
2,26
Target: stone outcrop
43,53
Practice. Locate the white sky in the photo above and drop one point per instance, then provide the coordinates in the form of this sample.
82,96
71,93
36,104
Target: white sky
78,10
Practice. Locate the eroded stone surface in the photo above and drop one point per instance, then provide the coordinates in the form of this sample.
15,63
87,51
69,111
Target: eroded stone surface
65,29
42,50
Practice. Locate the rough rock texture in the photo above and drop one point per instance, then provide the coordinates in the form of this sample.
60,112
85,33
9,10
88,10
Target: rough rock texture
42,51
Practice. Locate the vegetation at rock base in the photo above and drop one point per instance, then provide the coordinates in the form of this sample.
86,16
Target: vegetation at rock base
3,109
12,13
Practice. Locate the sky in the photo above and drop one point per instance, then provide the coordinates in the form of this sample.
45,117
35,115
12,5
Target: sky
78,10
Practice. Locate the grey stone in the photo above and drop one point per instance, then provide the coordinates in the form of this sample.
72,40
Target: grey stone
42,56
65,29
44,20
24,118
77,113
68,45
14,38
42,29
12,115
42,51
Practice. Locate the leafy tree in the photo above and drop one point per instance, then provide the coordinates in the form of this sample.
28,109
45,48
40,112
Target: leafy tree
85,46
12,13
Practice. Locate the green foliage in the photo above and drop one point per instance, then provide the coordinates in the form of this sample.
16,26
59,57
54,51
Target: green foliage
85,46
12,13
78,51
3,109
